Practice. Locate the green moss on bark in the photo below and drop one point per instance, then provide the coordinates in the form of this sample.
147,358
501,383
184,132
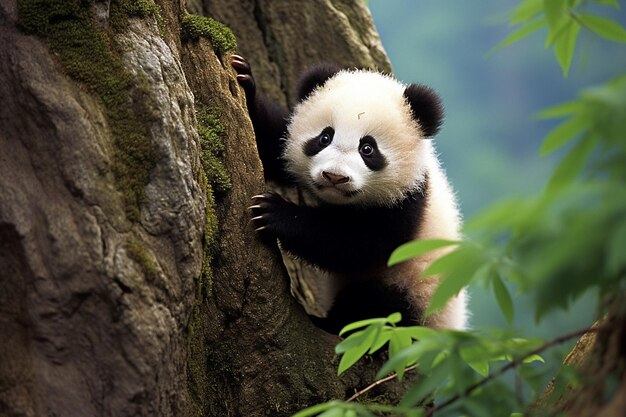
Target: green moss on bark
211,134
124,9
138,253
87,54
221,37
214,180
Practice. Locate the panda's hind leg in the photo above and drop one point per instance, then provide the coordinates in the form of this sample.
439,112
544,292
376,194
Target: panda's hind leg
363,300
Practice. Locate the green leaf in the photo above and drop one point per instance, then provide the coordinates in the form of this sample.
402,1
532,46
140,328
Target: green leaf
426,385
503,297
533,358
316,409
399,340
382,338
474,357
555,14
456,270
361,323
416,248
350,357
563,134
394,318
502,213
520,34
561,110
565,44
526,10
572,164
333,412
350,342
418,332
397,343
409,356
604,27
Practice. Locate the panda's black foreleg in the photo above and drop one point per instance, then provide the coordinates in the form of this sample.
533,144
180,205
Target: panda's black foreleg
335,239
268,119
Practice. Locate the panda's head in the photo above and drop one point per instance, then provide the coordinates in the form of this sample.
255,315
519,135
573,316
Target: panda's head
358,137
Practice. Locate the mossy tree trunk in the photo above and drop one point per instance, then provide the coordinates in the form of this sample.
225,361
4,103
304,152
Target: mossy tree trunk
130,283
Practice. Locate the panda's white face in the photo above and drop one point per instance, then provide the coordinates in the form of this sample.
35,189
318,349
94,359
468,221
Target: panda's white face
353,141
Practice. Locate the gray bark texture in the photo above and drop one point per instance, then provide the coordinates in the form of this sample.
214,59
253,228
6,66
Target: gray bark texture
113,300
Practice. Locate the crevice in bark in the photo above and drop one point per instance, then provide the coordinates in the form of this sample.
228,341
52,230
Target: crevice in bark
272,44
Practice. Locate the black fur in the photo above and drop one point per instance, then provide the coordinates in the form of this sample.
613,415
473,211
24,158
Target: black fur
349,239
313,146
314,78
365,299
426,108
269,121
376,161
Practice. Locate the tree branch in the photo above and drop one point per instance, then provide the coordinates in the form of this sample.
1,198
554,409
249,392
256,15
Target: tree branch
511,365
378,382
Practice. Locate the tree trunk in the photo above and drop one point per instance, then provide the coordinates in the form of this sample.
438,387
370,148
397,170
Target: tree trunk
130,283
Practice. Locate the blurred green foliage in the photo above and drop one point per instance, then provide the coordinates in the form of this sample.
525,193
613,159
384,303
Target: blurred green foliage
492,133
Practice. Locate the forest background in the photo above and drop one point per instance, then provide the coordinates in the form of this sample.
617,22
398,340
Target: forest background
490,141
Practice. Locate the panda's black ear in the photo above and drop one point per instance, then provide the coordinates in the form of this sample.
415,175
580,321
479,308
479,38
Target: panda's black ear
315,77
426,108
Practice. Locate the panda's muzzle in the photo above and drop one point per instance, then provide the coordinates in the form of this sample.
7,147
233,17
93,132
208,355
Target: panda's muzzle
335,179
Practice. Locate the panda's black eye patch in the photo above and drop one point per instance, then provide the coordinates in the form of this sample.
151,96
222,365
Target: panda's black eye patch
315,145
368,148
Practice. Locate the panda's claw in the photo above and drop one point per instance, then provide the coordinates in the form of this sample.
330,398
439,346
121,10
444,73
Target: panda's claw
268,212
240,64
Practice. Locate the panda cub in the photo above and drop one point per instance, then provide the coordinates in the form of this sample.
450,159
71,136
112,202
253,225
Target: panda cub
354,175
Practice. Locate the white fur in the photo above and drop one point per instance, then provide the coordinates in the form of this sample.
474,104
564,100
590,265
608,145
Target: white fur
360,103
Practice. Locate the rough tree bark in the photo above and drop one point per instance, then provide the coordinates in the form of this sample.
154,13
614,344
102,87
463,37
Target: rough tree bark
120,293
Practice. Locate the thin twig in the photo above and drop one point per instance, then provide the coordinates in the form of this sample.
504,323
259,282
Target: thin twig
511,365
377,383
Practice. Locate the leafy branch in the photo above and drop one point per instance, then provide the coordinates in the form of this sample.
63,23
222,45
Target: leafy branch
512,365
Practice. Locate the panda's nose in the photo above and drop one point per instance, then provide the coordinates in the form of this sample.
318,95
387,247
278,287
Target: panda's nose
335,178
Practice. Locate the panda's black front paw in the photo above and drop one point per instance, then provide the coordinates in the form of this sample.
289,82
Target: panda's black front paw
270,214
244,76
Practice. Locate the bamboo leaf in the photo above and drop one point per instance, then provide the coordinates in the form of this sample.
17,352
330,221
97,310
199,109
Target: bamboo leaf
520,33
361,323
397,343
416,248
503,297
526,10
427,385
316,409
350,357
562,134
534,358
572,164
565,44
603,27
457,270
560,110
333,412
